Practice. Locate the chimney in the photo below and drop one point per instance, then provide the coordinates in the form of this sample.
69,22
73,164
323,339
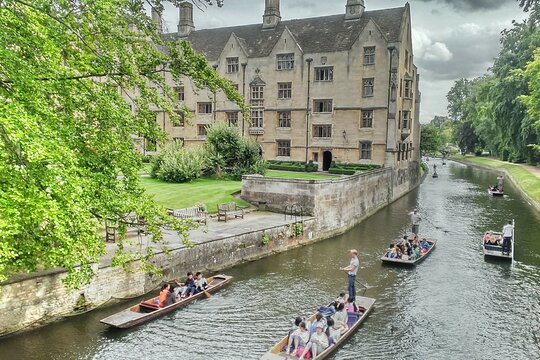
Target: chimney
185,24
156,18
354,9
271,15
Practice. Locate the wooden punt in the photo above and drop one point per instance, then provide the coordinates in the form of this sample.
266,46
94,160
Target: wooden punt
495,251
495,192
276,352
431,242
143,312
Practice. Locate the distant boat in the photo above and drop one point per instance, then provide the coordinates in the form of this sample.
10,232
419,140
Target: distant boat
146,310
435,175
406,261
497,190
495,250
366,306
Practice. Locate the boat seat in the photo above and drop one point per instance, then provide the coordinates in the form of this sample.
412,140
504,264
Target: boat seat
149,305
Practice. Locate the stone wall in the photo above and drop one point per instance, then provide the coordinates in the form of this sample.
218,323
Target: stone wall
41,298
338,204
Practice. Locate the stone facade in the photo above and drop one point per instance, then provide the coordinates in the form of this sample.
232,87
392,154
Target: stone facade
340,87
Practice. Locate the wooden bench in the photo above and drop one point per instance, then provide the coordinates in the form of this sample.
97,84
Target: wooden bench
110,233
193,213
229,209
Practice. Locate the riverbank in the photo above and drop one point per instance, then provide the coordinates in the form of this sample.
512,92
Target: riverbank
526,178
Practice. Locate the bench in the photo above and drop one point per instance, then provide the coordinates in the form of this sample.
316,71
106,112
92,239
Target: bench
229,209
193,213
110,233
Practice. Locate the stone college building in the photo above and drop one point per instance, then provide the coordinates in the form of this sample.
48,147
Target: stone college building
339,87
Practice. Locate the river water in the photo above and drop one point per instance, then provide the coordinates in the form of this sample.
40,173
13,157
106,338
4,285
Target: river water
455,305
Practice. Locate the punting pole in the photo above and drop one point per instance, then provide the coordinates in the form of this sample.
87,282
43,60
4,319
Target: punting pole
513,237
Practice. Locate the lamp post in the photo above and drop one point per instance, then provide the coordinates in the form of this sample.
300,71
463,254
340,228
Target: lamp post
308,60
243,93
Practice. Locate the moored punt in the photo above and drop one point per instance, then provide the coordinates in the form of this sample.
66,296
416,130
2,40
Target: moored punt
145,310
278,351
431,242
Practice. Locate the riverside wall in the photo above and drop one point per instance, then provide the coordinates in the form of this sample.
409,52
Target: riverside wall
41,298
338,204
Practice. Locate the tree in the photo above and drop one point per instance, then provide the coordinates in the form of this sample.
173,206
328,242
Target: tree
67,161
431,139
532,100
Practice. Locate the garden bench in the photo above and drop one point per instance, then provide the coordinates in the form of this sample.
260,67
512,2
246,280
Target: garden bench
229,209
193,213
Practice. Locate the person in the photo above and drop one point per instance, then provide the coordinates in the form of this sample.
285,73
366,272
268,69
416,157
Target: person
165,297
391,251
416,251
341,317
352,270
333,332
415,220
317,343
424,244
188,286
200,283
341,299
319,320
507,232
299,338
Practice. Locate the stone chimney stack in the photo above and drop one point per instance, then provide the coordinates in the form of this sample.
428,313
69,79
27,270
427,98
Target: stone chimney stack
354,9
185,24
271,15
156,18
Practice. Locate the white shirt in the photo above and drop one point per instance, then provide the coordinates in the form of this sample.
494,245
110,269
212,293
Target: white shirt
508,229
415,218
354,261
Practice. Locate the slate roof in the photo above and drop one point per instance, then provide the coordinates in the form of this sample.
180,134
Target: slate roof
321,34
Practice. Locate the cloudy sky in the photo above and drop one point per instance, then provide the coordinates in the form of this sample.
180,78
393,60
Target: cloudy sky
452,38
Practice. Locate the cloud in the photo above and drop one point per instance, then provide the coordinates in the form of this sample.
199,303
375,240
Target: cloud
473,5
428,50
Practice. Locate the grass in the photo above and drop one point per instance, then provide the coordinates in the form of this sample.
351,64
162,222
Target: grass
524,178
207,191
146,168
298,175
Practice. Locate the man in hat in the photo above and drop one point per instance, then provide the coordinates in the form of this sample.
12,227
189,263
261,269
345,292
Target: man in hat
415,220
351,270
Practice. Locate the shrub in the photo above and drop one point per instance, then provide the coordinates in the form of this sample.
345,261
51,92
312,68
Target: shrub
178,164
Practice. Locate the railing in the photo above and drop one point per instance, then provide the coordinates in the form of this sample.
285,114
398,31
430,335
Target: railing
256,131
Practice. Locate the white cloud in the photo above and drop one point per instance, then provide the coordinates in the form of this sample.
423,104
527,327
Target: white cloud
438,52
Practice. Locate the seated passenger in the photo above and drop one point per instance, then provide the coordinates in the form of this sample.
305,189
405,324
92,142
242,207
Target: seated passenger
299,337
165,297
187,287
340,318
424,244
319,320
416,251
333,332
200,283
351,306
391,252
317,343
342,298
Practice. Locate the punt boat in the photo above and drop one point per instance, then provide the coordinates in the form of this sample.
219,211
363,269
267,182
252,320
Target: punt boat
406,261
495,251
146,310
364,303
497,190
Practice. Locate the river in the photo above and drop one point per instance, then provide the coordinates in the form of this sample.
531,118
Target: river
455,305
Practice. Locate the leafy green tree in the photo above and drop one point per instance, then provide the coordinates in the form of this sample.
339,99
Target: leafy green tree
431,139
532,100
67,161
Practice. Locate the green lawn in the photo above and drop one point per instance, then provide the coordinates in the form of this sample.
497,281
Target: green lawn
207,191
298,175
525,179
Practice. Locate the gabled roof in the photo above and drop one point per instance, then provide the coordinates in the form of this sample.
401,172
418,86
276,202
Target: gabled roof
321,34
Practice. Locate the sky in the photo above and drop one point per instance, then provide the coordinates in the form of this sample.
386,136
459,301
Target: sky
452,39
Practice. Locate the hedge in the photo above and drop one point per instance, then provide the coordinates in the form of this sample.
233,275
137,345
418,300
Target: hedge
292,166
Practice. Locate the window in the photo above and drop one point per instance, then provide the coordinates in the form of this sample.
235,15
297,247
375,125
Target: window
365,150
406,119
285,61
204,107
232,117
150,145
257,118
367,118
284,90
182,121
369,55
407,89
368,87
180,93
283,147
322,106
322,131
178,140
284,119
324,73
232,65
406,59
257,92
201,130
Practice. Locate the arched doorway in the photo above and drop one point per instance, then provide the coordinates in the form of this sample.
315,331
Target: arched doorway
327,160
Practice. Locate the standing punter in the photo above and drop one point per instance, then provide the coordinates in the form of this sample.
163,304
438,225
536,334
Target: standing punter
351,270
415,220
507,233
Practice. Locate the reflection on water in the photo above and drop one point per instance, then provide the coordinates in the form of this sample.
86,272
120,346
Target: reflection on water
455,305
